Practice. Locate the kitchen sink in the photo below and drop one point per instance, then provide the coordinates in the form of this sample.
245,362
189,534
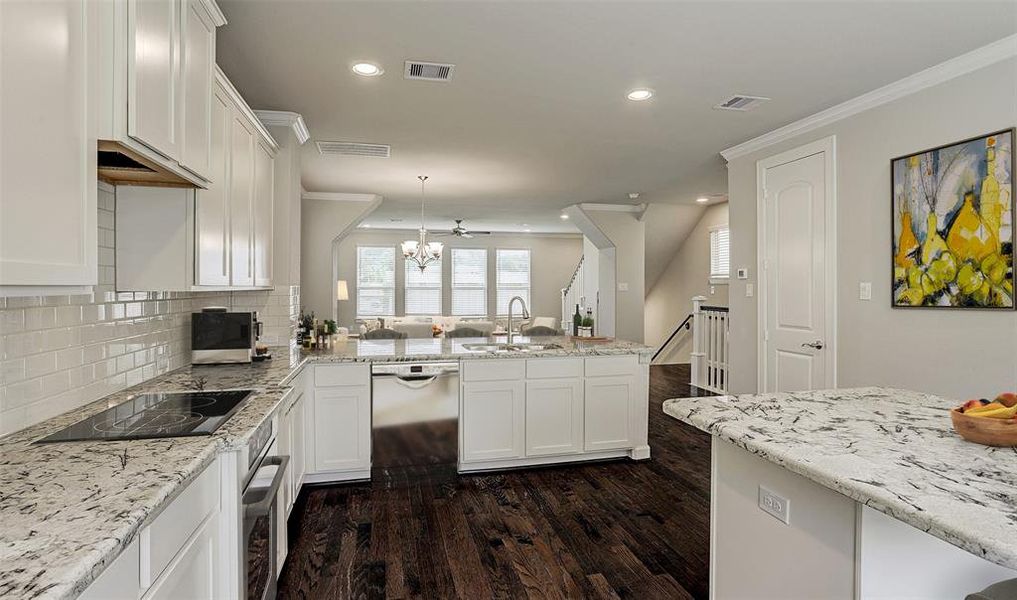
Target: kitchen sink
504,347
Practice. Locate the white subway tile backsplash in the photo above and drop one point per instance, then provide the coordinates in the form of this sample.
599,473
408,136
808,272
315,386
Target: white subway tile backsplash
59,352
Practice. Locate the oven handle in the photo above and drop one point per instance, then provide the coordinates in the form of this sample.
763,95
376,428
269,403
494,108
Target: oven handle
262,507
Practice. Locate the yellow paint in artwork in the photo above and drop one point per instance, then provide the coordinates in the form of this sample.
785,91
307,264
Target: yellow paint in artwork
907,244
934,243
990,208
970,238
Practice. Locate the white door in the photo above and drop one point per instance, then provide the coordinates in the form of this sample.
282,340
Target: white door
554,416
212,209
241,198
606,413
194,573
198,60
492,420
264,178
153,74
797,272
342,428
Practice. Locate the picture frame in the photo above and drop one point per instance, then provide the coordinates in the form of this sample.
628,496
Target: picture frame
950,247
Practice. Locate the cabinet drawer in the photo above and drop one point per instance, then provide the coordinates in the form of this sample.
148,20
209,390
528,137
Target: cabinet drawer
494,370
611,366
330,375
175,525
120,579
553,368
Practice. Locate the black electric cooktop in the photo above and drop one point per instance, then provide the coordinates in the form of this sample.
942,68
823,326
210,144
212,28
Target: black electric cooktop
162,415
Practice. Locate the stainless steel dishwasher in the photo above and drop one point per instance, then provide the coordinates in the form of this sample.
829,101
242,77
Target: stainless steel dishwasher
414,420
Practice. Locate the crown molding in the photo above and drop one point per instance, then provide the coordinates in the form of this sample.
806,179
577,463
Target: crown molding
241,104
945,71
214,12
285,118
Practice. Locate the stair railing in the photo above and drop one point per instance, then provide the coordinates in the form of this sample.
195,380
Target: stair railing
710,348
571,295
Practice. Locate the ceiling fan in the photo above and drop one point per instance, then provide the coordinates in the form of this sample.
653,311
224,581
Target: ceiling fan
461,231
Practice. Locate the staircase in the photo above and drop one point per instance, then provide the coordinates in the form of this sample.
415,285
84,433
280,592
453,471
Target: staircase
710,326
571,295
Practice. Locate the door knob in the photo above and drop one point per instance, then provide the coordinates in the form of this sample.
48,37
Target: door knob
816,345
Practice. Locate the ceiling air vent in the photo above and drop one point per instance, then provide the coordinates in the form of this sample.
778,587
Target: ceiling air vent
355,149
415,69
741,103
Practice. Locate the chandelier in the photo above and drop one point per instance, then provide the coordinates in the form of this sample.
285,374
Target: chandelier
421,251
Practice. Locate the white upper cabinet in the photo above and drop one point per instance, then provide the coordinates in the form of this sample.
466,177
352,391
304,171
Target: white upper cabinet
241,194
48,148
156,63
264,185
153,73
212,210
197,65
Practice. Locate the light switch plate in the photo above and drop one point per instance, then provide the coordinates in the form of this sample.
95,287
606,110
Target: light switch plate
775,505
865,290
623,287
749,290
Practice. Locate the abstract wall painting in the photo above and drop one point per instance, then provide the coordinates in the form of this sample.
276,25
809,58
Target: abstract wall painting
953,225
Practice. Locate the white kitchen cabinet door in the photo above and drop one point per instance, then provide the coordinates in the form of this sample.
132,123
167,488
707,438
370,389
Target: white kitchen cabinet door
194,572
120,580
264,182
554,417
241,197
493,420
297,444
197,61
153,74
607,412
212,208
342,428
48,187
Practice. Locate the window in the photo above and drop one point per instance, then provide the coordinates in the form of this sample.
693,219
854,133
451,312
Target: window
513,277
423,289
375,281
469,282
720,254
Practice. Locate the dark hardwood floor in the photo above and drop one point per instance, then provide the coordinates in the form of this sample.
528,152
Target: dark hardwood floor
605,530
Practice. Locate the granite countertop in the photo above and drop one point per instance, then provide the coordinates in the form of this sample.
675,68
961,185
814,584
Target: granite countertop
429,349
68,509
893,450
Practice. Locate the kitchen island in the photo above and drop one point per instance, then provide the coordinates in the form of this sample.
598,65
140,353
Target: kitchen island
862,492
68,511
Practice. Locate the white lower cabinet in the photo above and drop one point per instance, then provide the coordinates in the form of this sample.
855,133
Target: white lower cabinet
193,574
492,420
608,409
340,423
554,416
177,555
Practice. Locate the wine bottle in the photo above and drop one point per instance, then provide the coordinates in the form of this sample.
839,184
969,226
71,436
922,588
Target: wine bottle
577,321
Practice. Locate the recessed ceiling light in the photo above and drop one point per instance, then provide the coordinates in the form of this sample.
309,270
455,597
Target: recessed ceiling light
564,216
702,199
640,94
367,69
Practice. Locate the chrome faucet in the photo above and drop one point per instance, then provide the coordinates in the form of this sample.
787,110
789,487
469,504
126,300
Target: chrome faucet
526,314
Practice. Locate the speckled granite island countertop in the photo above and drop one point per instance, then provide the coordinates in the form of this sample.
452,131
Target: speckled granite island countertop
68,509
892,450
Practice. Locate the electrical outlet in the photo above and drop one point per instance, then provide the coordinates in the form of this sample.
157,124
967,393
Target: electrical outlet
865,290
777,506
713,290
749,290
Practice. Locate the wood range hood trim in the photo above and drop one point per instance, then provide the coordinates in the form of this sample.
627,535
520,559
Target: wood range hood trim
120,164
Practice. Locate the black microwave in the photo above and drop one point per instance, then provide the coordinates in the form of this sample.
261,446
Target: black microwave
220,336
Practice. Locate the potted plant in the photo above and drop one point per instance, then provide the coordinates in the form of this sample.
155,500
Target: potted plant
586,329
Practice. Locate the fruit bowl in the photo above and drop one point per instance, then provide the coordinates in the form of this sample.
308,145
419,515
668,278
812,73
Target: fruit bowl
985,429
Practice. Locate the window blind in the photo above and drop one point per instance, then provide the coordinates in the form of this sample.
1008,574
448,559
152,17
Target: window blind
513,277
469,282
375,281
423,289
720,252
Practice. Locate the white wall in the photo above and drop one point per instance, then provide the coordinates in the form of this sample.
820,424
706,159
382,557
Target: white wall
957,353
627,233
321,222
61,352
669,301
553,258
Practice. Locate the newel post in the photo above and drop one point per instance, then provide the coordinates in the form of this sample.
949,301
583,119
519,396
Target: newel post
698,330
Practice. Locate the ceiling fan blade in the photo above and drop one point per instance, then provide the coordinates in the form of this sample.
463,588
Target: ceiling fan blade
467,235
481,232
